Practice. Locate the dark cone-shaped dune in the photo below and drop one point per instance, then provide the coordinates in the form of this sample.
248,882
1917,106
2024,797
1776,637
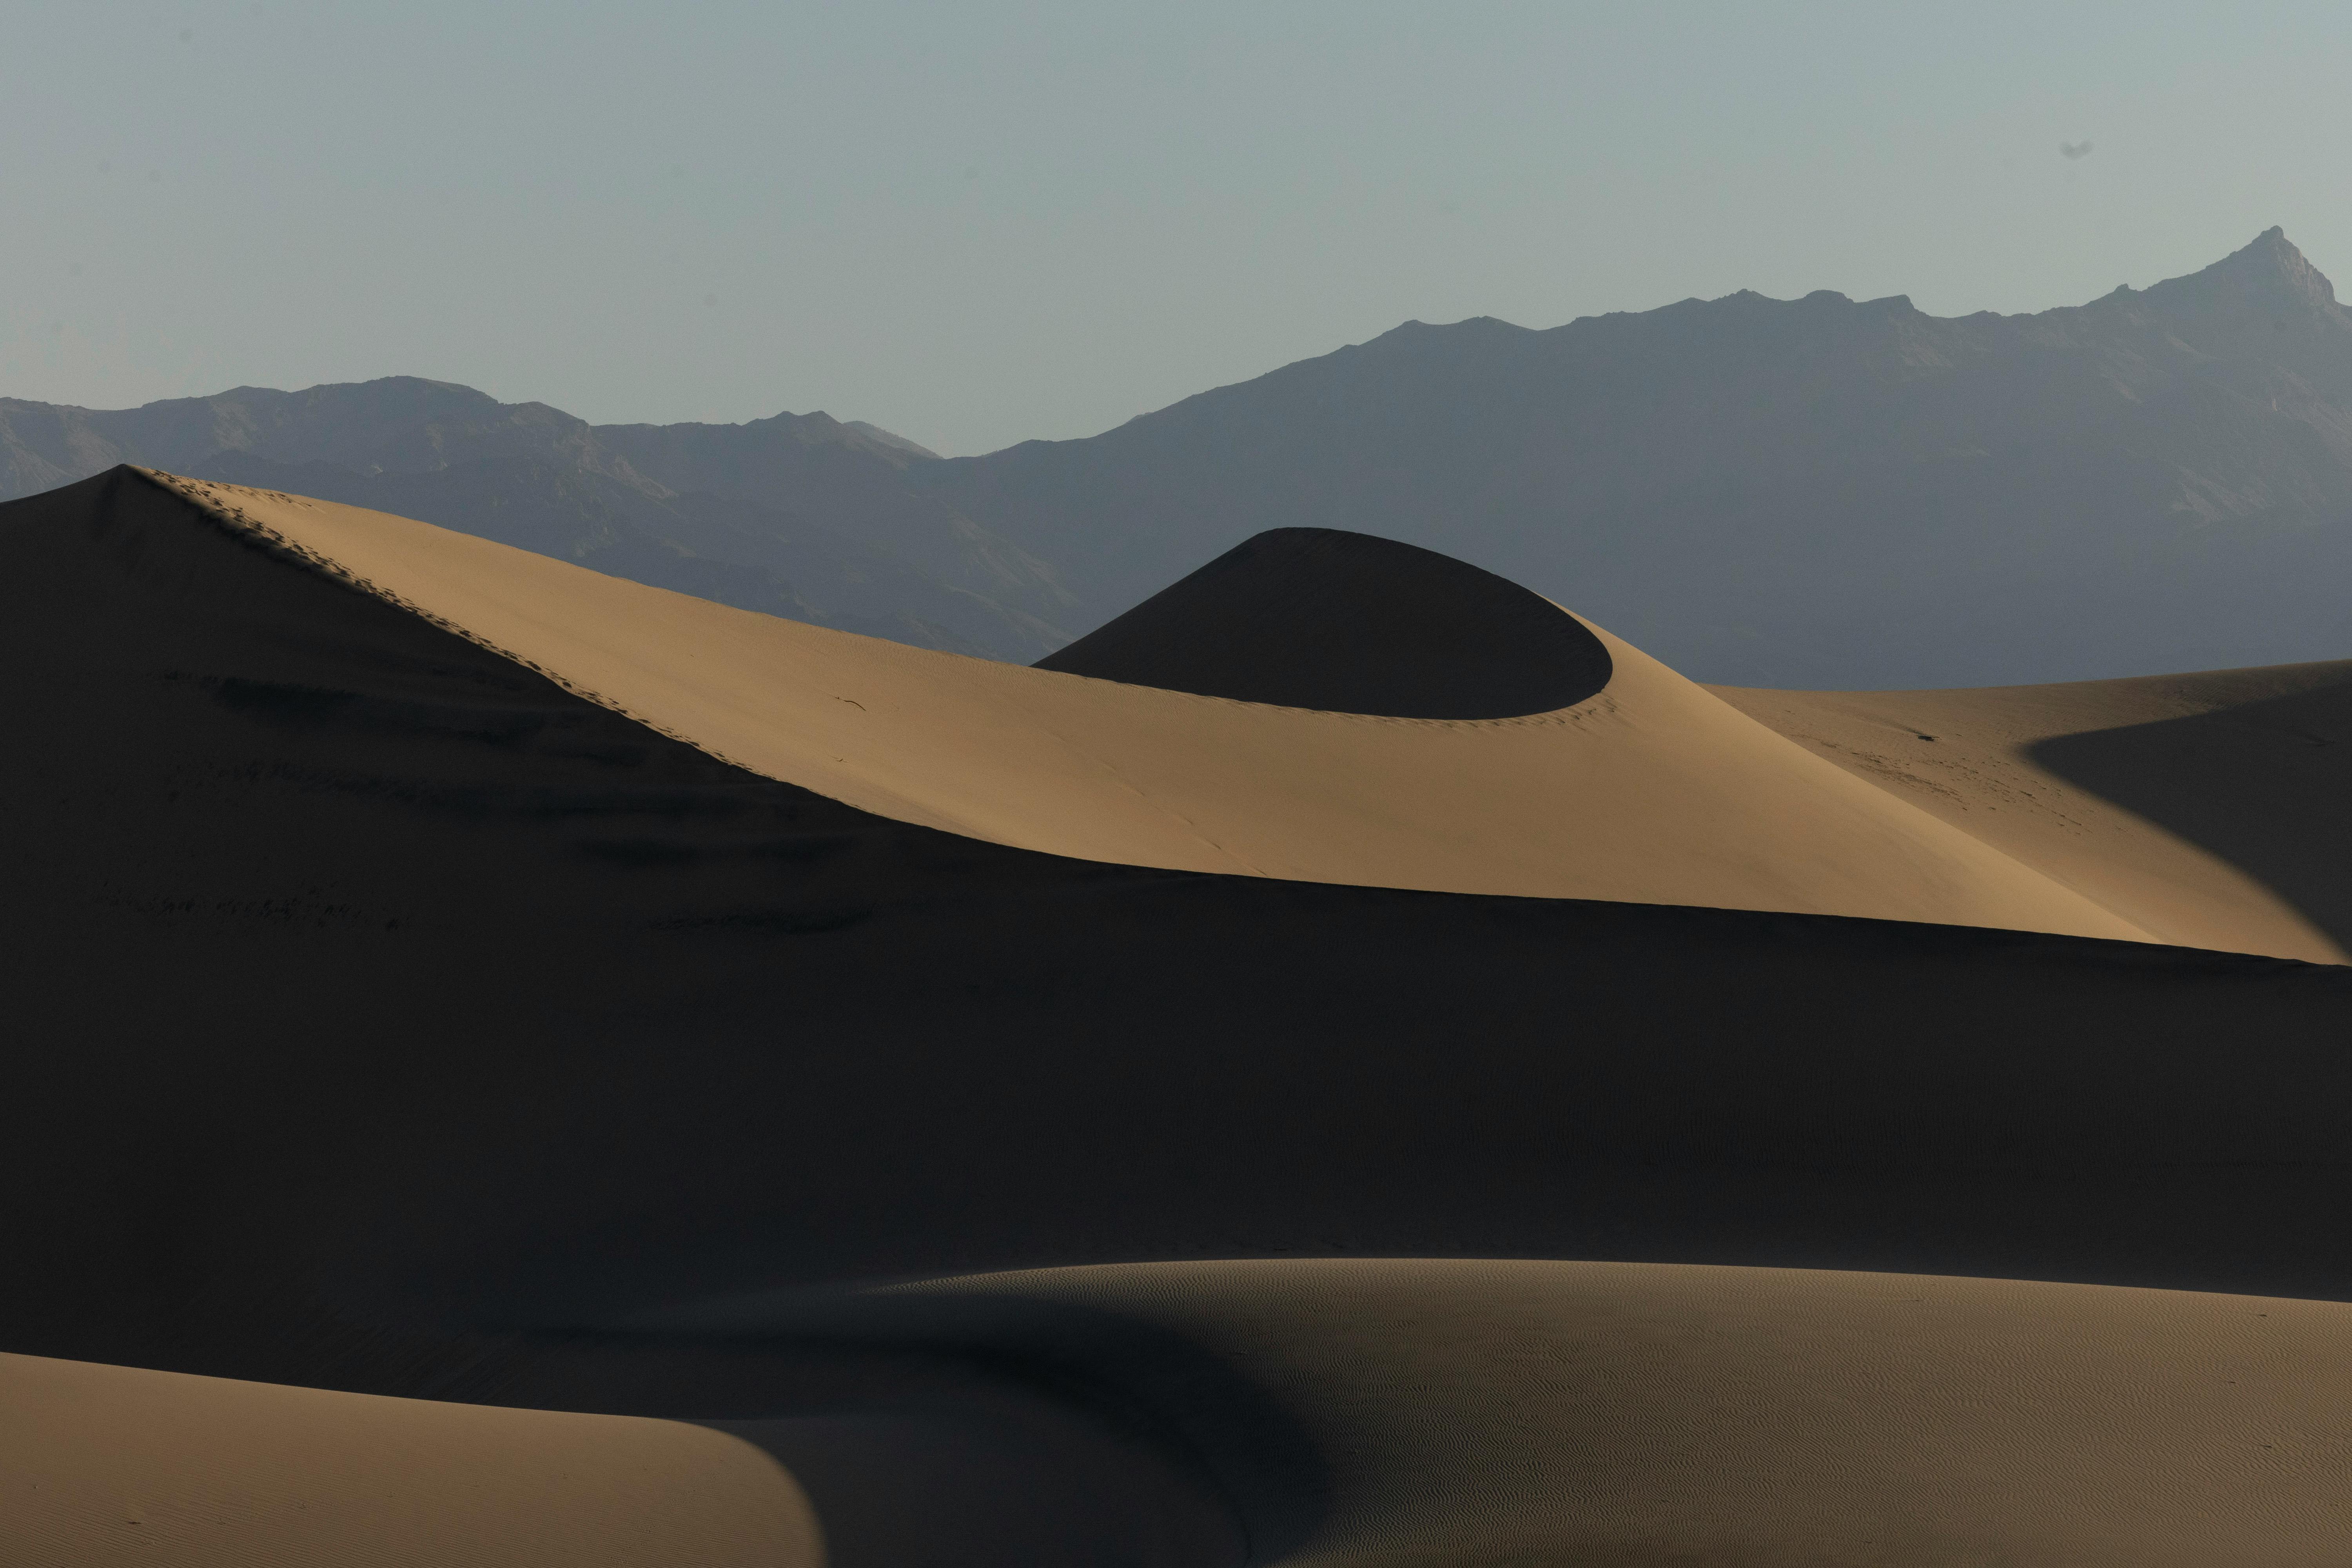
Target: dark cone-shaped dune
1313,617
444,972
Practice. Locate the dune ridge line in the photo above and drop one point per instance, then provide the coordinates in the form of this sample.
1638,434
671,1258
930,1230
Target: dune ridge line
1650,790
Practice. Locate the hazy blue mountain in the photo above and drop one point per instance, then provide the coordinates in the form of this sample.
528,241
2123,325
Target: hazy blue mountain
1809,492
888,438
799,515
1806,492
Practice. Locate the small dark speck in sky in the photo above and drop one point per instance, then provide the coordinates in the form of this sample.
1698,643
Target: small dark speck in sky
2074,149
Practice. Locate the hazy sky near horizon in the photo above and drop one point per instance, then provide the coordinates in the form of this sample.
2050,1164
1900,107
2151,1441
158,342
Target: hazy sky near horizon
977,223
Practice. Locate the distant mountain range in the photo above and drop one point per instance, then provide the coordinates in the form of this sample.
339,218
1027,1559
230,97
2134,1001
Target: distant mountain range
800,515
1816,493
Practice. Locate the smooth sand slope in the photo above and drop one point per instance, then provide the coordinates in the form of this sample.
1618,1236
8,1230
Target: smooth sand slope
390,1019
1648,791
1330,1412
2206,810
1479,1413
104,1464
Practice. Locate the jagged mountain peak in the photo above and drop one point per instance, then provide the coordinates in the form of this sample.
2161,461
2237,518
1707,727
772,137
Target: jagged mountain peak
2267,275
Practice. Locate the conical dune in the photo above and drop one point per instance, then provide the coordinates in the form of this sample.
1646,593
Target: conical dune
1346,623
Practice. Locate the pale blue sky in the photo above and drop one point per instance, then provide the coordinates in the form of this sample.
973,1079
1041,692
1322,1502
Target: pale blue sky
975,223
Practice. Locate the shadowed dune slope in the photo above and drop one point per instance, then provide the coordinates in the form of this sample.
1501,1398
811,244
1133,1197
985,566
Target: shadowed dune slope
2206,810
1485,1413
1365,1413
1651,791
375,979
396,1017
1313,617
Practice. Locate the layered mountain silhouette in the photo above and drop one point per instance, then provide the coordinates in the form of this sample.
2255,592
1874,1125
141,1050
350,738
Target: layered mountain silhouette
1819,492
799,515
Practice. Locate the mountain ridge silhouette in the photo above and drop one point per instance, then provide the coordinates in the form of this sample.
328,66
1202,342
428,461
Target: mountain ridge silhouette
1815,493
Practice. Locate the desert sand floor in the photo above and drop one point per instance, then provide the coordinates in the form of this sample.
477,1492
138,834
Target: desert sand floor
420,994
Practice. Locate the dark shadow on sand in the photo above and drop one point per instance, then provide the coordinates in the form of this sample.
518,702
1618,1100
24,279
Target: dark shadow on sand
2265,786
966,1427
1345,623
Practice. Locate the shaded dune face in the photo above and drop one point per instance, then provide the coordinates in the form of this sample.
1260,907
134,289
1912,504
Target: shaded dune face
391,1015
2259,778
1485,1412
374,973
2206,808
1313,617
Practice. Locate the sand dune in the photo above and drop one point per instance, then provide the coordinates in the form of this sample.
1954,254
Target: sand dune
103,1465
2202,808
1344,623
1530,1412
476,988
1390,1412
1651,791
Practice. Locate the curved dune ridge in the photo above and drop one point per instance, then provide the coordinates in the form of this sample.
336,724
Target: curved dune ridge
1651,791
101,1465
1408,1412
509,1066
1312,617
1508,1412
